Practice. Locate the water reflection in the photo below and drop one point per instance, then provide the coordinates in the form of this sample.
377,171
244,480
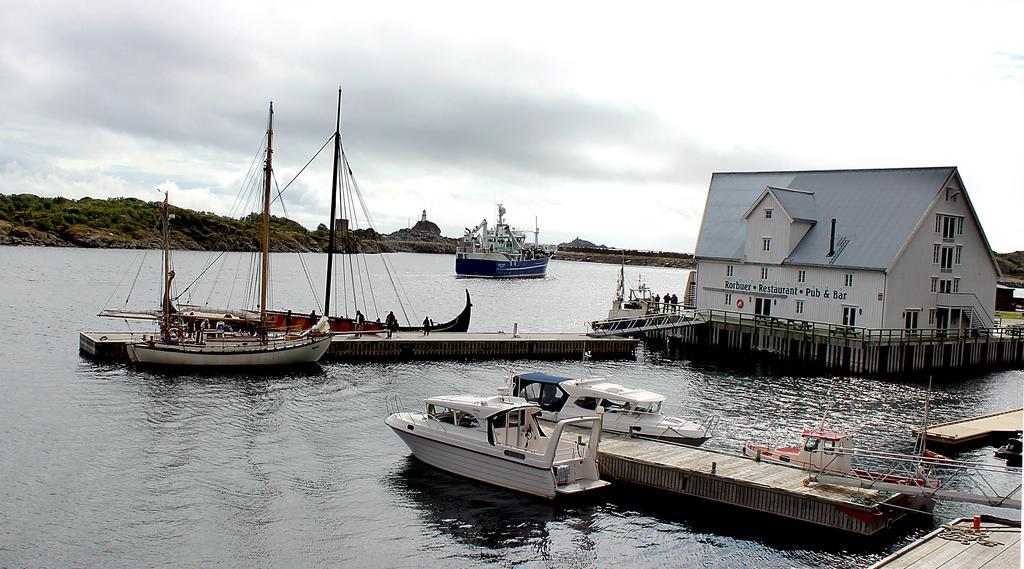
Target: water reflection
486,516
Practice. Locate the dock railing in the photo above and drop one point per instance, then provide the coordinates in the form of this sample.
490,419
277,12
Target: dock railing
657,320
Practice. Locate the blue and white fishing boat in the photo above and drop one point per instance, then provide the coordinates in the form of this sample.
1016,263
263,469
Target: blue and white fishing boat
501,252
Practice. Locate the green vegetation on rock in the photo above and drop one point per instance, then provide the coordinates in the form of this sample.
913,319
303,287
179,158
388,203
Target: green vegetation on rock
132,223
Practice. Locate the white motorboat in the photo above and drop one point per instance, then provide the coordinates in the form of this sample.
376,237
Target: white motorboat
499,440
634,412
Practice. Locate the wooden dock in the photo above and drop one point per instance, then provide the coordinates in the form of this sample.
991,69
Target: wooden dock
416,346
996,545
745,483
975,428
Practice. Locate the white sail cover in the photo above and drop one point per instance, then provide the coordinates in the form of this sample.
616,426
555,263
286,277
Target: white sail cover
322,328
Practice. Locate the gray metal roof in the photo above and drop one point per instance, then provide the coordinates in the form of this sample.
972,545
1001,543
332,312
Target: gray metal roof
875,211
798,203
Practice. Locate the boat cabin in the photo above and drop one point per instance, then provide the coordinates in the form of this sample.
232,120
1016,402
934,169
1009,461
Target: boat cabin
826,450
554,394
508,421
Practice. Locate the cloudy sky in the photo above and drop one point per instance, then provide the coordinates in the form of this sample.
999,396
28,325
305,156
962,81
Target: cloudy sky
604,120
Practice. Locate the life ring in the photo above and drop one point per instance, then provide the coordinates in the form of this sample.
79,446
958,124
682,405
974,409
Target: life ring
739,303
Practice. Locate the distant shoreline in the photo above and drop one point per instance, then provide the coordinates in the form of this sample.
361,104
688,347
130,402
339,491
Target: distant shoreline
129,223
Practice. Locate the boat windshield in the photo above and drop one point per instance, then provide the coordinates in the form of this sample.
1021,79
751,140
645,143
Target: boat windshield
649,407
441,413
616,406
588,403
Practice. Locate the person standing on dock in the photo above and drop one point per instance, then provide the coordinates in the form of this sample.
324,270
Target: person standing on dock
391,323
359,323
426,326
675,301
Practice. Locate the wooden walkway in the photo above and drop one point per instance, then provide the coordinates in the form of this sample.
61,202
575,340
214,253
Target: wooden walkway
995,546
975,428
745,483
416,346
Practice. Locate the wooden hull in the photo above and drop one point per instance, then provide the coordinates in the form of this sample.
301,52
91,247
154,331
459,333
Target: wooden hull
458,324
276,353
278,320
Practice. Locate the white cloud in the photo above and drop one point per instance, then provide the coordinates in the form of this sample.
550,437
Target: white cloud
605,123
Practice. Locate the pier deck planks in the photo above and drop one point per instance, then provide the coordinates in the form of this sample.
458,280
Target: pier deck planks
933,551
745,483
416,346
975,428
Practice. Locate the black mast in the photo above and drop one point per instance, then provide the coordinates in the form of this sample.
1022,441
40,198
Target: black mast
334,197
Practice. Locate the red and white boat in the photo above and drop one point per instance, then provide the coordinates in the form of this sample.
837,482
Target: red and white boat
830,452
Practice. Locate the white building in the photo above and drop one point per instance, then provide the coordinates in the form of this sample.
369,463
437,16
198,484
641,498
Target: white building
891,248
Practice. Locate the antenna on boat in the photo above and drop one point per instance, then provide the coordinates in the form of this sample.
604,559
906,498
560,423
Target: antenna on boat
828,404
924,431
536,231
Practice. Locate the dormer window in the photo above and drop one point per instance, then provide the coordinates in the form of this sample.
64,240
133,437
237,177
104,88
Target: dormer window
766,243
767,215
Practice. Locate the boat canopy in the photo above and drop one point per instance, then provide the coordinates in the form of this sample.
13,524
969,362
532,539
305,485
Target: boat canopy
614,390
823,435
537,377
482,407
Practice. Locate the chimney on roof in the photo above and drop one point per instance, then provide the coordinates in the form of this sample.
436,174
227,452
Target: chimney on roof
832,239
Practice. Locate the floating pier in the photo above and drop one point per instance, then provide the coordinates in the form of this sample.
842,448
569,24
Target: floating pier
994,545
745,483
416,346
976,428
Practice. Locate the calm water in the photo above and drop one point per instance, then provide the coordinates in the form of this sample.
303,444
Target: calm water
106,466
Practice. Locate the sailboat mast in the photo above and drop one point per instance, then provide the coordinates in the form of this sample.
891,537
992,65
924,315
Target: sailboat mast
165,211
268,171
334,199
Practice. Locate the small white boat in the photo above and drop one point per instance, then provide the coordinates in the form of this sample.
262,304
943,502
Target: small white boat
626,411
499,440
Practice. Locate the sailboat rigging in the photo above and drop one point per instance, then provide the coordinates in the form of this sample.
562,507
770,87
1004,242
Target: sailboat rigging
237,340
343,185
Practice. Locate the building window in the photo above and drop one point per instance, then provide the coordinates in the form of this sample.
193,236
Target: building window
949,225
767,214
936,249
799,307
956,285
959,252
931,316
767,244
910,319
935,284
764,273
801,276
728,270
946,286
946,263
848,279
728,298
849,315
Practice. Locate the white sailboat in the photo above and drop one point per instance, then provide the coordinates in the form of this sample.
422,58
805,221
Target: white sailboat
178,346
